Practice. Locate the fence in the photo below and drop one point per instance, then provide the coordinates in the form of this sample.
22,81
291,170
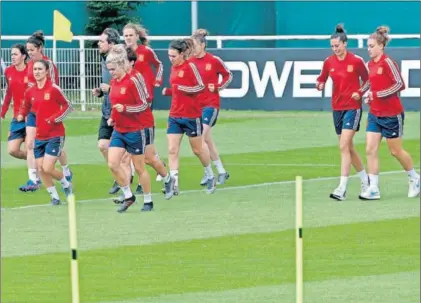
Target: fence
80,70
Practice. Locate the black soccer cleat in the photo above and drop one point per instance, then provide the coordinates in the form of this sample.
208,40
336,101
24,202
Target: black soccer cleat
127,203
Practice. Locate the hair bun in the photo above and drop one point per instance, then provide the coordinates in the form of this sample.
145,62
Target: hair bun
383,30
39,34
202,32
340,28
118,49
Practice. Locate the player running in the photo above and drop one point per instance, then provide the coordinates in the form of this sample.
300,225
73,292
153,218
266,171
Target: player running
386,115
52,107
185,114
210,68
35,47
347,71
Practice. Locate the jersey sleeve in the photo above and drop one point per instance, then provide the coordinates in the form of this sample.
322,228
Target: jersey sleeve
66,106
394,74
7,97
54,76
363,73
195,79
223,70
324,74
139,94
153,58
26,104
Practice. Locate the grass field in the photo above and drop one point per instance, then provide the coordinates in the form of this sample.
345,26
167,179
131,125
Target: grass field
237,245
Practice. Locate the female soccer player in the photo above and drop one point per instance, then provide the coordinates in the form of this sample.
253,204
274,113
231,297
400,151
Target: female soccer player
146,58
210,68
35,47
129,109
386,115
346,71
148,128
148,133
16,77
51,108
185,113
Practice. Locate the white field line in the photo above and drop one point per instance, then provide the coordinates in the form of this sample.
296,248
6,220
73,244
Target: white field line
218,189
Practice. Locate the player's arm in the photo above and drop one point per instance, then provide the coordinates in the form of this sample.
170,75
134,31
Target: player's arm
53,72
196,81
167,91
223,70
324,74
7,99
65,106
142,83
139,95
363,73
25,107
153,58
393,72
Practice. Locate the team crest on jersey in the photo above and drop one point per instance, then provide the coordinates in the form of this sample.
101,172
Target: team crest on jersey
140,58
47,96
380,71
181,74
350,68
25,80
208,66
123,90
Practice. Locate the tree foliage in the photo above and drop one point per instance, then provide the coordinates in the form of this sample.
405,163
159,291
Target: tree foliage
115,14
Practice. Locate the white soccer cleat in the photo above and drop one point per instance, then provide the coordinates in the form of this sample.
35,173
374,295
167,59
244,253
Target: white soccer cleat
414,187
372,193
364,187
338,194
158,178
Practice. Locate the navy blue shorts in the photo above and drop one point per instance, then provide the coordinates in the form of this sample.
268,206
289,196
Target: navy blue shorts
16,130
133,142
52,147
389,127
190,126
347,119
148,135
209,116
31,120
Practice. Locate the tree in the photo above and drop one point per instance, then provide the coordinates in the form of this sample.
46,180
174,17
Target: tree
116,14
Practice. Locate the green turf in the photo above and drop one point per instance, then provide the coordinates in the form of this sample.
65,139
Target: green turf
234,246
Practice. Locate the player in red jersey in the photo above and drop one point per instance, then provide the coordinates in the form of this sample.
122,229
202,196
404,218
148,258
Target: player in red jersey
52,107
35,47
148,130
129,109
210,68
16,77
185,113
146,59
347,72
386,115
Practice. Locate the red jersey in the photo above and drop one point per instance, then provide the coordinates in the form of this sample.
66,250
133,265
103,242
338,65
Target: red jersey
185,83
147,120
52,107
345,75
210,67
53,74
128,92
17,83
146,58
385,84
